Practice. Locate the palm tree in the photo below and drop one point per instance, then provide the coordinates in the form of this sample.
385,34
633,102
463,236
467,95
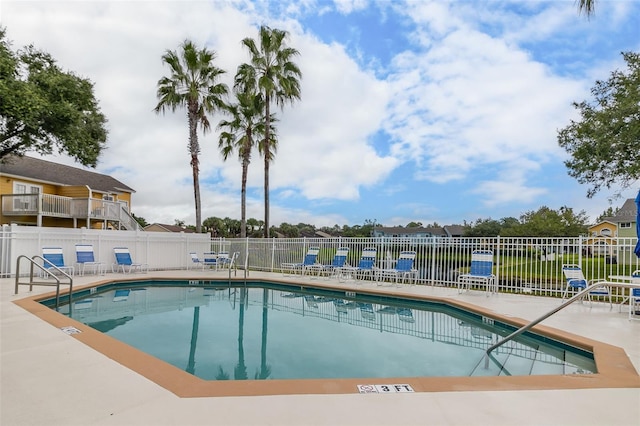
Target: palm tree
587,6
192,83
277,79
245,125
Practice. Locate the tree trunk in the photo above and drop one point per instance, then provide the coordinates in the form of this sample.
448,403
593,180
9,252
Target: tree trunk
195,166
243,202
267,159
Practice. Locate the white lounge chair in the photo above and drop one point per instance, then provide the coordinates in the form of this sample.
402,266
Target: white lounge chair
124,261
301,268
576,280
634,297
336,265
85,257
403,268
481,272
54,260
365,266
196,262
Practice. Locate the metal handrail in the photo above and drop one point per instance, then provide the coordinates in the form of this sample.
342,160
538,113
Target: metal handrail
47,271
569,301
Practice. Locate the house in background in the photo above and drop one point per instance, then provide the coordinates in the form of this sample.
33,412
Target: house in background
42,193
161,227
603,235
418,232
625,219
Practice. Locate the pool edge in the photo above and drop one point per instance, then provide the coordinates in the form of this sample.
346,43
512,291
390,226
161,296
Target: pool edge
615,369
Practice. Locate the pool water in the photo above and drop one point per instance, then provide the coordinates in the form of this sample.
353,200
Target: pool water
276,331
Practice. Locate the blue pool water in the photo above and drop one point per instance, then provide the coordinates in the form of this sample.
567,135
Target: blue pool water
273,331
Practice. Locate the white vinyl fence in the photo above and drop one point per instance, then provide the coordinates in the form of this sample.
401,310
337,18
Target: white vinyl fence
160,250
524,265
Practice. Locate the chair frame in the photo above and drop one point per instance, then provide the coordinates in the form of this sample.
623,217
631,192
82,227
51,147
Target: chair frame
634,297
124,259
86,258
576,279
291,269
404,268
210,260
481,271
195,261
334,269
366,265
54,259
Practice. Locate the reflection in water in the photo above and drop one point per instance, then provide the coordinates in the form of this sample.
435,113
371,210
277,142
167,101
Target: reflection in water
191,366
288,327
110,324
240,372
265,369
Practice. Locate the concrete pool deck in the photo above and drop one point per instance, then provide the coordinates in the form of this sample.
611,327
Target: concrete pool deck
49,377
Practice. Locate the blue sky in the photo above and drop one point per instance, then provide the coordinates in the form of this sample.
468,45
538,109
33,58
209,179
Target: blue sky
427,111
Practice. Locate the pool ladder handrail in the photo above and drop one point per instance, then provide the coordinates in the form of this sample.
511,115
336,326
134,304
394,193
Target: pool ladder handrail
538,320
47,271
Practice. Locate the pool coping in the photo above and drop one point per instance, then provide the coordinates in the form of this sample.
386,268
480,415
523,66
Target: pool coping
615,370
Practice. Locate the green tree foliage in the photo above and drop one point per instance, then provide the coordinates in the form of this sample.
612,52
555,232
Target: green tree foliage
608,213
222,228
546,222
605,143
277,77
43,107
288,230
193,84
141,220
484,228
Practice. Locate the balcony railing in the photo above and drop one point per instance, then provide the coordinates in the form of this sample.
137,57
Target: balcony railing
49,205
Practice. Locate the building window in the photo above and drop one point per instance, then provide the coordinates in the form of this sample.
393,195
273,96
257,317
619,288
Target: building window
107,197
625,225
605,231
28,202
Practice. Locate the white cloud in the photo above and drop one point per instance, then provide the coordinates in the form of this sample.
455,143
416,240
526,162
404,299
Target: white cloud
474,102
465,102
118,45
348,6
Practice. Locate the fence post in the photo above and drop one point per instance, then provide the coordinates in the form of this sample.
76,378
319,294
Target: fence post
580,250
273,252
432,272
498,262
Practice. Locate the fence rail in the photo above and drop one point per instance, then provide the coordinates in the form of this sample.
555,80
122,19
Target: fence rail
525,265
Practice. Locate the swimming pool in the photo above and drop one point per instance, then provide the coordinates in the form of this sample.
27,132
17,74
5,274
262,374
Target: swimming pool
272,331
614,369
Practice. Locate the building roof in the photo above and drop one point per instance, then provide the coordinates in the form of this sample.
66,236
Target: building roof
446,231
59,174
627,212
454,230
168,228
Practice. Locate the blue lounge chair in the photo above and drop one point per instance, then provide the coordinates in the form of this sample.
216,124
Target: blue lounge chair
54,261
124,261
224,261
365,266
576,281
481,272
196,262
210,259
301,268
334,269
86,258
403,268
